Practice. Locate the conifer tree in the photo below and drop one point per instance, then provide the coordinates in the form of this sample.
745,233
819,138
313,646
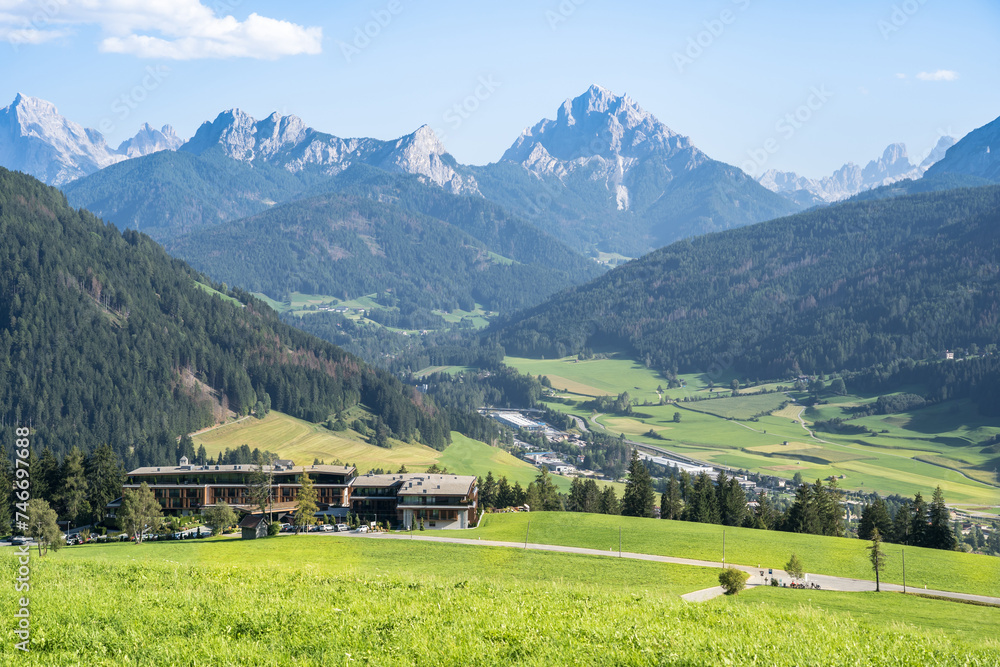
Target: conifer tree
639,496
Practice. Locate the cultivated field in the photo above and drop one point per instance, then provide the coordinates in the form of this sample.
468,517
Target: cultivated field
909,452
325,600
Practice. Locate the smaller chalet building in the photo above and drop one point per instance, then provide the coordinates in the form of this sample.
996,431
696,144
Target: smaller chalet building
442,501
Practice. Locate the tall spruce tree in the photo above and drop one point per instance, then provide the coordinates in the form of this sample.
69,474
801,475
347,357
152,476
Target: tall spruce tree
939,534
105,476
639,496
671,505
875,515
609,501
73,493
918,530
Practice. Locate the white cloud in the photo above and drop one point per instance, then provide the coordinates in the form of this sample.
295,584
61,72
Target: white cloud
164,29
900,75
939,75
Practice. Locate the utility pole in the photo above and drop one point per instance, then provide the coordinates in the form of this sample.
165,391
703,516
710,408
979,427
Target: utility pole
903,552
526,530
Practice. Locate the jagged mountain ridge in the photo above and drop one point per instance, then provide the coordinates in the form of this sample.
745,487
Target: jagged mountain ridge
287,142
605,174
893,166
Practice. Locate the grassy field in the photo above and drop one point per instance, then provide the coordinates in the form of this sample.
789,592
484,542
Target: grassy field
909,452
210,290
943,570
303,442
596,377
890,610
321,600
739,407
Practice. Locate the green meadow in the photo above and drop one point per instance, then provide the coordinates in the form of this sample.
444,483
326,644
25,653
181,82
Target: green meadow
324,600
837,556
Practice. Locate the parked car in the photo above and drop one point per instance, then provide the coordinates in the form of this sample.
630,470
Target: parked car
328,528
362,529
19,540
342,528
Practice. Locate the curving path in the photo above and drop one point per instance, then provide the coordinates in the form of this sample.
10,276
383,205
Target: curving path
826,582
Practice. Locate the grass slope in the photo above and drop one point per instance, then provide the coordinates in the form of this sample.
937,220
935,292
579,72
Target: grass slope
320,600
942,570
303,442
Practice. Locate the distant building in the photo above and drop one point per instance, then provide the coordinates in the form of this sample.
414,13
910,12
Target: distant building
948,354
189,489
441,501
517,421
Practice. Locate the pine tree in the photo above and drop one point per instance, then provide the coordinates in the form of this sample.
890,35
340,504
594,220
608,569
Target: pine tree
45,480
874,515
876,556
518,493
831,514
305,512
505,495
577,499
488,491
592,497
918,529
703,507
765,516
902,524
687,488
639,496
548,495
939,533
609,501
802,516
73,494
671,505
733,509
105,476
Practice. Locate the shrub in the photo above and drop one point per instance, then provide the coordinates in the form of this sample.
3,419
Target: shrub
733,580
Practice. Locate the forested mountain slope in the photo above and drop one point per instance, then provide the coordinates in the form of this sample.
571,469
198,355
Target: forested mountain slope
106,339
417,246
845,287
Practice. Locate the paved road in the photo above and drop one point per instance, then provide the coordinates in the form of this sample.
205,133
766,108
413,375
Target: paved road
826,582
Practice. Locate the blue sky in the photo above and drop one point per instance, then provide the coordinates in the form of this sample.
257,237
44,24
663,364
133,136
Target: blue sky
858,75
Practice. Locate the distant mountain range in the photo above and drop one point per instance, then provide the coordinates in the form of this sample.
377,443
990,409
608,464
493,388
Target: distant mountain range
849,180
604,175
38,141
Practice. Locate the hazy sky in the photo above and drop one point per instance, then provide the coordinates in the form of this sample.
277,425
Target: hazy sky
827,82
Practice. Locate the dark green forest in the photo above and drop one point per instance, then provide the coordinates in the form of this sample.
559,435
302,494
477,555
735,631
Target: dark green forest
842,288
351,245
105,339
172,192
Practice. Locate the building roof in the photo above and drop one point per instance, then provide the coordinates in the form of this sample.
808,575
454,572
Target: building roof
379,481
438,485
251,520
239,467
413,484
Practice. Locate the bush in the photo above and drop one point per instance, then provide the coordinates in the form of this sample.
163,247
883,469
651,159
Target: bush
733,580
273,528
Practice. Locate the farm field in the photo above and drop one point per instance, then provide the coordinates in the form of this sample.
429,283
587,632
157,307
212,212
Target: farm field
908,452
321,600
943,570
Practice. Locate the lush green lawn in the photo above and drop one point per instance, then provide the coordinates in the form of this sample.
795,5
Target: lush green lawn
891,610
942,570
323,600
